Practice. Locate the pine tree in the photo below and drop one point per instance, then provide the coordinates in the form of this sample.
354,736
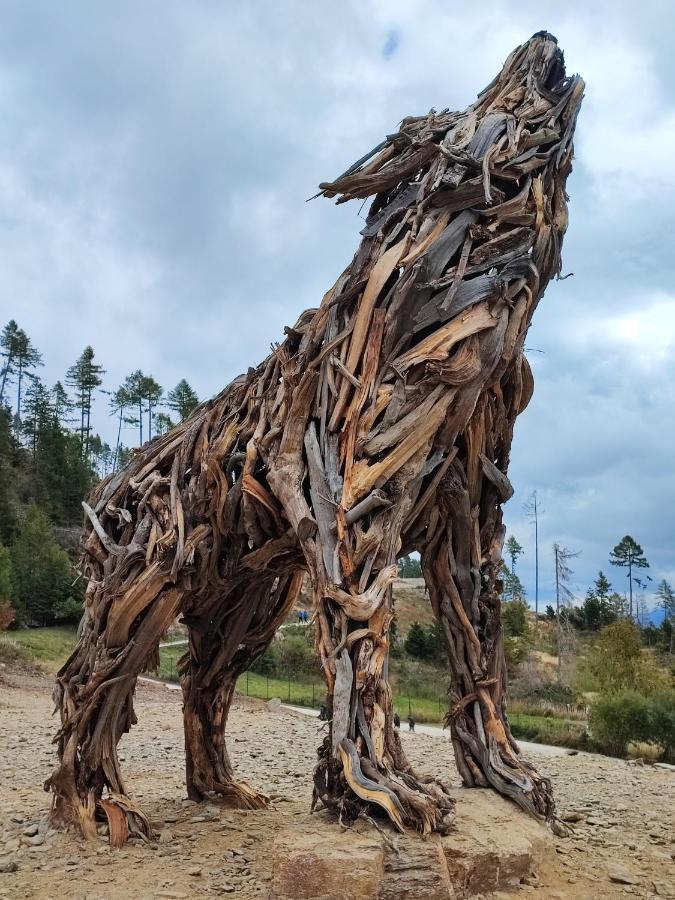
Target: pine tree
618,604
119,404
163,423
41,571
602,587
9,480
84,376
182,400
666,599
597,610
25,358
61,404
101,455
8,343
134,385
152,395
37,410
416,641
513,587
629,554
514,550
124,456
60,476
514,618
145,393
409,567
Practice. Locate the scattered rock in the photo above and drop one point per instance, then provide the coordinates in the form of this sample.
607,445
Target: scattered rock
595,820
35,841
621,876
8,865
573,816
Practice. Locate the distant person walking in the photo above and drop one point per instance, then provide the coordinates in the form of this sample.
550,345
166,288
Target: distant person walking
411,723
397,720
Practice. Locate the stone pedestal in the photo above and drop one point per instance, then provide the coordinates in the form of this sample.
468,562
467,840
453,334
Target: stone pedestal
494,845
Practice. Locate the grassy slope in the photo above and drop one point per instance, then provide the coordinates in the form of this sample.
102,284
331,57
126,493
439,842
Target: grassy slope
49,646
411,604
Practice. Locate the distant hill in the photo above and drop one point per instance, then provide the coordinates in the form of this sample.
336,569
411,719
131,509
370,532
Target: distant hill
411,604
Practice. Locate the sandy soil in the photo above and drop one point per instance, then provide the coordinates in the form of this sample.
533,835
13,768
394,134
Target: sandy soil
625,813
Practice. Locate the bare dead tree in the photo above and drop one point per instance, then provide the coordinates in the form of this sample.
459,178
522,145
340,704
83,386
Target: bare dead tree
532,509
382,424
564,598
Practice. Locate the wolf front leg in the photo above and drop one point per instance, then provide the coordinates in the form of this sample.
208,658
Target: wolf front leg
362,767
461,566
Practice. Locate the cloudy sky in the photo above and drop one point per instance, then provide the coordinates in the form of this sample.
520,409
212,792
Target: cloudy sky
155,159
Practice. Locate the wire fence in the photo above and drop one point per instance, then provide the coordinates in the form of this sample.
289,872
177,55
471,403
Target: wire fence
291,688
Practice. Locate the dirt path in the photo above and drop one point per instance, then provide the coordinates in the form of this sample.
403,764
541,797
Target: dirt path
626,812
527,747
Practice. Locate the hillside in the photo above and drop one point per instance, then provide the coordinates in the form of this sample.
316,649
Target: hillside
411,604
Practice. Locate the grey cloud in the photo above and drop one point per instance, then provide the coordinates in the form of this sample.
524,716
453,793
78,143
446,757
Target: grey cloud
155,159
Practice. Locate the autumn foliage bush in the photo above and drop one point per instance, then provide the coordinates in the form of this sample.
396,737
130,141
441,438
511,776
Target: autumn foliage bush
7,615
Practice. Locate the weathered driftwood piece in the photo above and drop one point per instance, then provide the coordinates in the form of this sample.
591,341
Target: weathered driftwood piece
382,424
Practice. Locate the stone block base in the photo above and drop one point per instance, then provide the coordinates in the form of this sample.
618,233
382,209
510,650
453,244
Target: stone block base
493,846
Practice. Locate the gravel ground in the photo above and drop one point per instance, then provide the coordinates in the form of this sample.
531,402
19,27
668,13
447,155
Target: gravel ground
624,814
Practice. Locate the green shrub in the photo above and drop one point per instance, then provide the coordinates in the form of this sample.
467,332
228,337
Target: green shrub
616,657
68,611
664,722
514,618
619,718
625,717
543,730
426,642
554,692
292,651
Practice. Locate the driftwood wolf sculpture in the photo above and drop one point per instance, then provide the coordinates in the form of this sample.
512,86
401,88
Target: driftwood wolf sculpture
381,425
